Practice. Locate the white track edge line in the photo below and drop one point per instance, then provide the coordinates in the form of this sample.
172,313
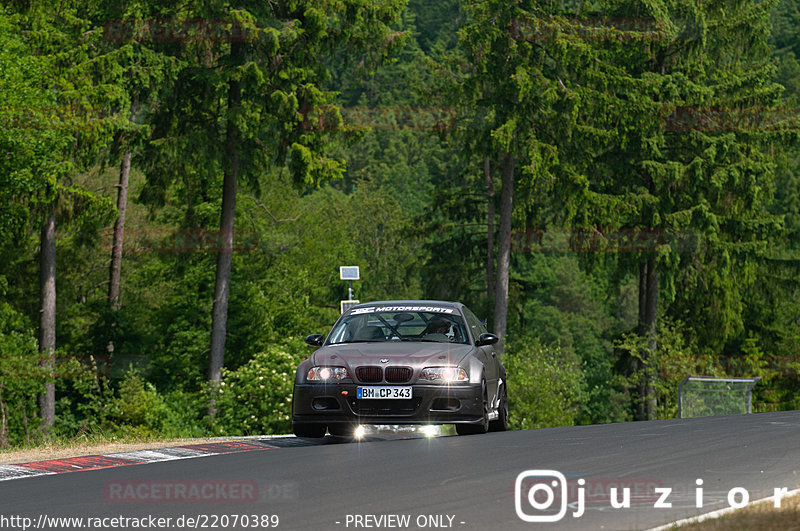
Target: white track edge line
176,458
134,462
204,454
35,473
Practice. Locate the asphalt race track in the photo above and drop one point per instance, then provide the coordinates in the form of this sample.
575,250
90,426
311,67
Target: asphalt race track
440,483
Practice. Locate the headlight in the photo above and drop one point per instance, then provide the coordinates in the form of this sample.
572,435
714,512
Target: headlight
326,374
443,375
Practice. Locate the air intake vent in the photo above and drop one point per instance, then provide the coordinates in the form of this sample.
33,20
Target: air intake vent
398,374
385,408
369,374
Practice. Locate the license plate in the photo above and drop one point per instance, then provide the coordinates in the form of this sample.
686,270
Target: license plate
383,392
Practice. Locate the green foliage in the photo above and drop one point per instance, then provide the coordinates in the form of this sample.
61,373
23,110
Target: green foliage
256,398
85,400
455,224
141,409
32,135
89,405
586,119
785,37
665,368
289,284
21,378
565,307
139,403
545,387
265,124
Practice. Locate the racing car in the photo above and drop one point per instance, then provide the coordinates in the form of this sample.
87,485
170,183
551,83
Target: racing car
398,363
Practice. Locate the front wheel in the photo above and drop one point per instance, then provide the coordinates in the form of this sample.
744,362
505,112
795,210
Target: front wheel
481,427
308,431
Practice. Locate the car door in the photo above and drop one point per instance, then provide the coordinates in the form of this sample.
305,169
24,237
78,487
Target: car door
487,354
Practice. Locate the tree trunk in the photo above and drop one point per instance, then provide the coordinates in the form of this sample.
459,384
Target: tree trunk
648,316
118,242
119,233
47,325
504,247
115,270
651,317
639,365
219,316
3,424
25,419
489,230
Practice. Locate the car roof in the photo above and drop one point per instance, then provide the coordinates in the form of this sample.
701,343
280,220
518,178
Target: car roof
409,302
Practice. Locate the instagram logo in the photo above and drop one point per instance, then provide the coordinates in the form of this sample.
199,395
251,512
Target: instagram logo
546,482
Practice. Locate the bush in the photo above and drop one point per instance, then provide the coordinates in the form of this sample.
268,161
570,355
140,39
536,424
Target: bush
545,387
21,379
85,400
674,358
139,403
141,410
256,398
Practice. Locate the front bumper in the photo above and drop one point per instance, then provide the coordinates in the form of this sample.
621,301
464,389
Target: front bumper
430,404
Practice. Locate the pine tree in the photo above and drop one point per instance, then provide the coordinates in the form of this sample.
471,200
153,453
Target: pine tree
249,100
685,162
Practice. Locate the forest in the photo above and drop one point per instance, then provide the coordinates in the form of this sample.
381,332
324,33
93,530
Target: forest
614,185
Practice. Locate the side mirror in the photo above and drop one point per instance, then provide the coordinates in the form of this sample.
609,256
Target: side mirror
487,339
314,340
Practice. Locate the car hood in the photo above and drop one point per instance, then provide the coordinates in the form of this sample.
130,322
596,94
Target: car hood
405,353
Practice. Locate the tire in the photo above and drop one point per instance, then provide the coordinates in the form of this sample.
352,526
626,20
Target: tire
481,427
342,430
501,423
308,431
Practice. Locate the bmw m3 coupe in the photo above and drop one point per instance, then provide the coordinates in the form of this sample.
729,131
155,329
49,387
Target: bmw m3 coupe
401,362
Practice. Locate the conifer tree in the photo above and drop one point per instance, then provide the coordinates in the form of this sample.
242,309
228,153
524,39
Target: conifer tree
248,99
685,160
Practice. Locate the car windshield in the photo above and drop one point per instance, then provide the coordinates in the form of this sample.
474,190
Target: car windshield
398,323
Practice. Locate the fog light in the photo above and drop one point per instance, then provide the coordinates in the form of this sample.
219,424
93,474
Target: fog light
360,432
430,431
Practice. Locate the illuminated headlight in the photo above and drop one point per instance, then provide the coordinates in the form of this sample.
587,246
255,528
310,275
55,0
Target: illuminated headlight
443,375
326,374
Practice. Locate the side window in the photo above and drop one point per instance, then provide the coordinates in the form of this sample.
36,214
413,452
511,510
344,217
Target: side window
474,323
